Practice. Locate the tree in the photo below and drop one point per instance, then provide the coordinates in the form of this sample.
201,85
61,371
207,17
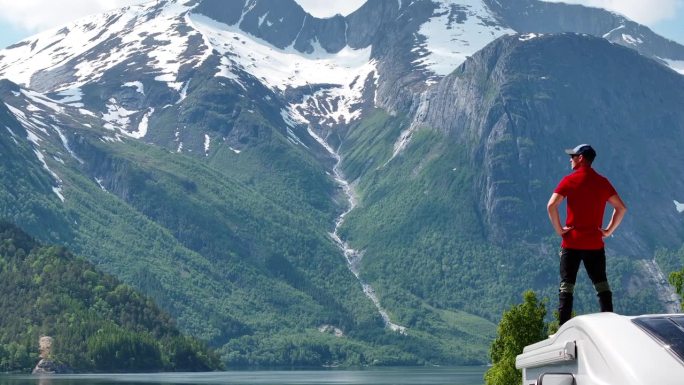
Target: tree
520,326
677,280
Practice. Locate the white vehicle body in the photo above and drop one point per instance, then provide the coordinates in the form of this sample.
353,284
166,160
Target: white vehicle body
608,349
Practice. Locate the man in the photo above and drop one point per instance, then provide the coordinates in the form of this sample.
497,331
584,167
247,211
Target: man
587,193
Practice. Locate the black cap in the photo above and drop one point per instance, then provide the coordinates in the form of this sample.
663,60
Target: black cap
582,149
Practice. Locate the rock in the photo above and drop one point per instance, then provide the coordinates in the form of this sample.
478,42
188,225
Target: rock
45,366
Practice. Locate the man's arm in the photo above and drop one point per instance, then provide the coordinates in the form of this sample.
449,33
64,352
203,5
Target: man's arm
619,210
552,208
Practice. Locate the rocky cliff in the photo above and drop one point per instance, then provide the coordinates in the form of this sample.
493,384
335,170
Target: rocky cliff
523,99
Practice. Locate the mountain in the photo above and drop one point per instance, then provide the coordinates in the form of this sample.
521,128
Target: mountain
530,16
90,316
473,180
367,189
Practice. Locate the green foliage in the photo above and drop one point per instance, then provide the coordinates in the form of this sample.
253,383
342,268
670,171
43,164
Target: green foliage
676,278
114,349
520,326
233,246
97,323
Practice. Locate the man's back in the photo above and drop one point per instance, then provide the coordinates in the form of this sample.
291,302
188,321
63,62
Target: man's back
587,193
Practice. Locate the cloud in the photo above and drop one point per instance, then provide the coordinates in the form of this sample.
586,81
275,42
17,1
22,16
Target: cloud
643,12
38,15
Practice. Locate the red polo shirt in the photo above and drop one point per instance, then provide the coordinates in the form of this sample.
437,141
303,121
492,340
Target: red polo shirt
587,193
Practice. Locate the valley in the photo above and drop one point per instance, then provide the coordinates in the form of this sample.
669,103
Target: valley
366,190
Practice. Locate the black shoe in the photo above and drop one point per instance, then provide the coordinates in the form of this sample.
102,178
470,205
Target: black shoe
606,301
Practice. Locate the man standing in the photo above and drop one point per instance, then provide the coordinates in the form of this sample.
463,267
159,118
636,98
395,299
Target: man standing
587,193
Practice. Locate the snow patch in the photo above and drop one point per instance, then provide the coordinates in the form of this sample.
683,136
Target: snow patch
207,143
677,65
43,100
71,96
224,71
529,36
458,29
142,126
138,86
116,117
27,123
262,18
278,68
679,207
629,39
292,117
607,34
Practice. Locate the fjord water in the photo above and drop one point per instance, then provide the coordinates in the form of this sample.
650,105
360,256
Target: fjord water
385,376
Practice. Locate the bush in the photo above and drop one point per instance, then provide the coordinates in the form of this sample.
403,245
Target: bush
520,326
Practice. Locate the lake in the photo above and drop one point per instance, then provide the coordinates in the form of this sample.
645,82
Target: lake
383,376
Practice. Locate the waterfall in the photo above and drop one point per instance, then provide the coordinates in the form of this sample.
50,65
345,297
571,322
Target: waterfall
353,257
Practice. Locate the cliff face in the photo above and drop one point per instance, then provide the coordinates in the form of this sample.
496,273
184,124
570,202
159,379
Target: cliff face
523,99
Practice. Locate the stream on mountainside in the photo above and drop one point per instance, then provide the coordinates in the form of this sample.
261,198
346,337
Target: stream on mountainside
352,256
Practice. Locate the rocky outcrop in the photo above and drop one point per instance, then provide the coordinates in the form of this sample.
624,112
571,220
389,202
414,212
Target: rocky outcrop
282,23
47,366
654,277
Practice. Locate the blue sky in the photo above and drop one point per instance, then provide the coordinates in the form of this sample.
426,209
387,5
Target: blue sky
21,19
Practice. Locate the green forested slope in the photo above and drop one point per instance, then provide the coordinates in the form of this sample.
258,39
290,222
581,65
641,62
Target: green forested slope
97,322
236,247
425,247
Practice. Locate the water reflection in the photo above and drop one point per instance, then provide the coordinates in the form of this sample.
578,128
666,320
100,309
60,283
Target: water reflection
393,376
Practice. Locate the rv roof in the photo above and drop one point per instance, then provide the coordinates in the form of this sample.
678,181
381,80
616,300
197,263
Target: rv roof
668,330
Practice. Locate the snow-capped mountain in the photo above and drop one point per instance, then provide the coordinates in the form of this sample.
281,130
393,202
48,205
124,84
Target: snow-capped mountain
323,70
155,47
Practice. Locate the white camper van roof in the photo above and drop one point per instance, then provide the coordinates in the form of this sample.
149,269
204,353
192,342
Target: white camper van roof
612,349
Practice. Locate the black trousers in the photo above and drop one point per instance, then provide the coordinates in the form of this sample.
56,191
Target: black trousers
595,265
